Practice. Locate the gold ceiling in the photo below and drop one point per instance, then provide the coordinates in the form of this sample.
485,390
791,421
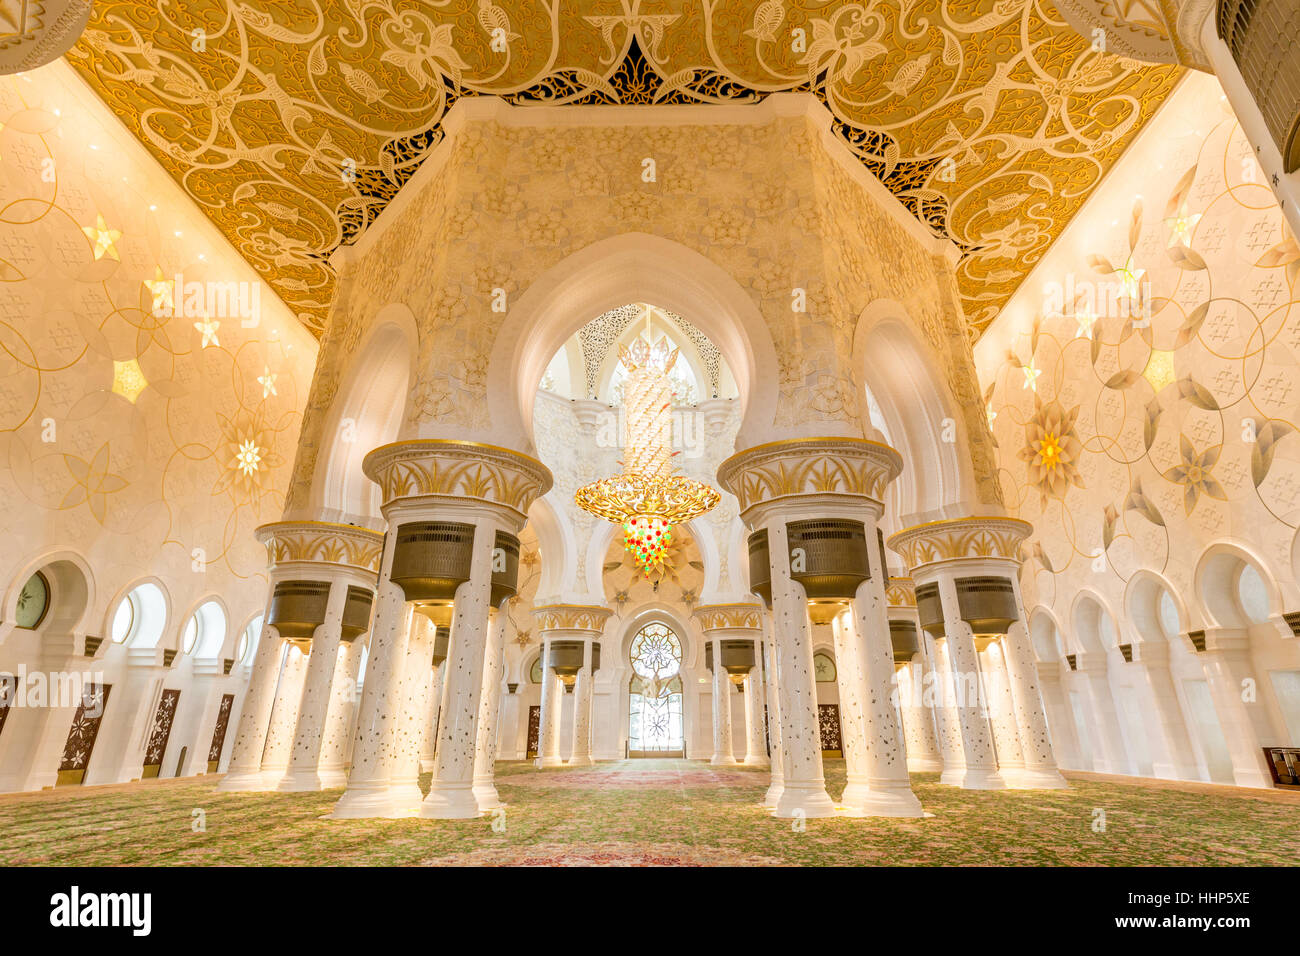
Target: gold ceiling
293,124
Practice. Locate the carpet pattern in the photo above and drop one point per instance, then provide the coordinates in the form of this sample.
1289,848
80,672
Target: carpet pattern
651,813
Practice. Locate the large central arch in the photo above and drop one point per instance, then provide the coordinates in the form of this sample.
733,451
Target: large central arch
633,267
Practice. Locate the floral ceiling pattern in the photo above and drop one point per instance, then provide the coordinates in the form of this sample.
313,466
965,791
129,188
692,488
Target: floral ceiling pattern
293,125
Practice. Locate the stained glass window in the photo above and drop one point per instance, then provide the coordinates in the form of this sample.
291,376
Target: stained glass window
823,668
535,672
655,721
33,601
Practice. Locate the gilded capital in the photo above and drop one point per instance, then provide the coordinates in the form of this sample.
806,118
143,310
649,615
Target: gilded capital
322,542
900,592
961,539
457,469
571,617
850,467
713,617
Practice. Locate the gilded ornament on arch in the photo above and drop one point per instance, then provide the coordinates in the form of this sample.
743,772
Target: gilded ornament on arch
900,592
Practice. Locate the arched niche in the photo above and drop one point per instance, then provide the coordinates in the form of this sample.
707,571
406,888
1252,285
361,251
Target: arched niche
902,373
367,412
203,631
1093,623
1156,612
633,267
1045,636
1234,587
70,593
555,542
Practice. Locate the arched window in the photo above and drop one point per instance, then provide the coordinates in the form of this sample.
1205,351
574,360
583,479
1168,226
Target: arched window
140,617
655,721
33,602
248,641
1170,622
1253,594
205,632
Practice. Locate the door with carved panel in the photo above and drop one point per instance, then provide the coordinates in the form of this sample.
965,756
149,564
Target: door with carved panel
828,719
534,731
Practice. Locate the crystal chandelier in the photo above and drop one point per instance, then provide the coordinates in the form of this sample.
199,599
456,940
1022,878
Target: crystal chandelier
647,499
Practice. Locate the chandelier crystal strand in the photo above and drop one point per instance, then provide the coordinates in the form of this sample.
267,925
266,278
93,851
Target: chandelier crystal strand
647,499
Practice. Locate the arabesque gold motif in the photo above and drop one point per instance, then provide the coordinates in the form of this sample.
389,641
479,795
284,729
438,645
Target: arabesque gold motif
322,542
570,617
810,466
293,125
719,616
459,469
961,538
900,592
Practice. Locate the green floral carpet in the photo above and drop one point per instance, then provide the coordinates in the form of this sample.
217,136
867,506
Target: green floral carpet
651,812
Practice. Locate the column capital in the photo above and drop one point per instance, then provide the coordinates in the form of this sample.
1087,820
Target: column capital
463,471
571,617
926,547
323,543
900,593
729,617
848,470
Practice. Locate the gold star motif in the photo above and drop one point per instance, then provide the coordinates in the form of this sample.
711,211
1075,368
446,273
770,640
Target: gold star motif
1160,369
1086,320
1181,226
161,290
208,327
267,381
1031,376
128,380
103,238
248,457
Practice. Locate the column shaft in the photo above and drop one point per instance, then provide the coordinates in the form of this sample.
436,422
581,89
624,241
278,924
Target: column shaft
485,749
244,772
338,722
309,735
284,716
580,753
724,754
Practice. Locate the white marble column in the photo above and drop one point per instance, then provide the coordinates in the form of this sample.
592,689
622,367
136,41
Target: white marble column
417,685
918,717
548,738
129,722
244,772
755,693
313,709
338,721
804,786
580,751
284,716
485,751
1065,739
724,754
1039,758
968,708
1002,716
945,706
451,794
776,778
373,753
878,784
430,743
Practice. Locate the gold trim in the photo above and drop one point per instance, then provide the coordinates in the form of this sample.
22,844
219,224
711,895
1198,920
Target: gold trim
418,468
321,542
990,537
741,615
848,467
571,617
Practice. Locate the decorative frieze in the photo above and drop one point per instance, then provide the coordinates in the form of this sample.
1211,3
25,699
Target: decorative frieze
458,469
900,592
850,467
322,542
